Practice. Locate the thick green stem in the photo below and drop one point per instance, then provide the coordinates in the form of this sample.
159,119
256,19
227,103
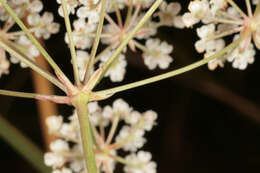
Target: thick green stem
80,102
22,145
174,72
71,43
96,43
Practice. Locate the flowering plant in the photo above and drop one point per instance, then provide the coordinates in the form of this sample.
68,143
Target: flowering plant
82,144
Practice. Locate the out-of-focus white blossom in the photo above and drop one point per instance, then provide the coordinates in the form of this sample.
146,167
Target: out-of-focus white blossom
54,123
27,48
81,34
66,151
71,6
143,163
169,14
63,170
59,146
242,55
54,160
221,19
44,25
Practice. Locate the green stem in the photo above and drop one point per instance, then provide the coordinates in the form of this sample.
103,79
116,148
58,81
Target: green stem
118,15
31,37
142,47
113,128
103,52
129,13
132,34
22,145
249,9
174,72
136,12
96,43
233,4
80,103
22,32
123,161
24,94
257,10
71,42
33,66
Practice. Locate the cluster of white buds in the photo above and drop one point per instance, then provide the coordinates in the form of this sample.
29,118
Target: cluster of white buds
115,31
66,154
42,26
222,18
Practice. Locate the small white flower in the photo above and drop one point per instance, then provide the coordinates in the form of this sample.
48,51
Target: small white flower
68,130
54,160
133,118
35,6
168,14
59,146
82,61
4,63
77,165
158,54
31,51
134,138
149,120
71,5
189,20
64,170
54,123
45,25
143,159
242,56
121,106
117,70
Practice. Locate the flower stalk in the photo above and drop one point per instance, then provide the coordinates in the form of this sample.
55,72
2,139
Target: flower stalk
257,10
80,102
96,43
71,42
174,72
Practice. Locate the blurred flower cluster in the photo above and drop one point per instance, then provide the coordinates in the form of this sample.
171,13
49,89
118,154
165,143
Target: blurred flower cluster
155,52
221,18
117,127
40,24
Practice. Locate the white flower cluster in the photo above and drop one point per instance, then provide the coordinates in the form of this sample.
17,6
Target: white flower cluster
42,26
66,154
114,32
221,18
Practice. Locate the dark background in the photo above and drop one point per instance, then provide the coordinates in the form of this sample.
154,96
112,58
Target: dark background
208,121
